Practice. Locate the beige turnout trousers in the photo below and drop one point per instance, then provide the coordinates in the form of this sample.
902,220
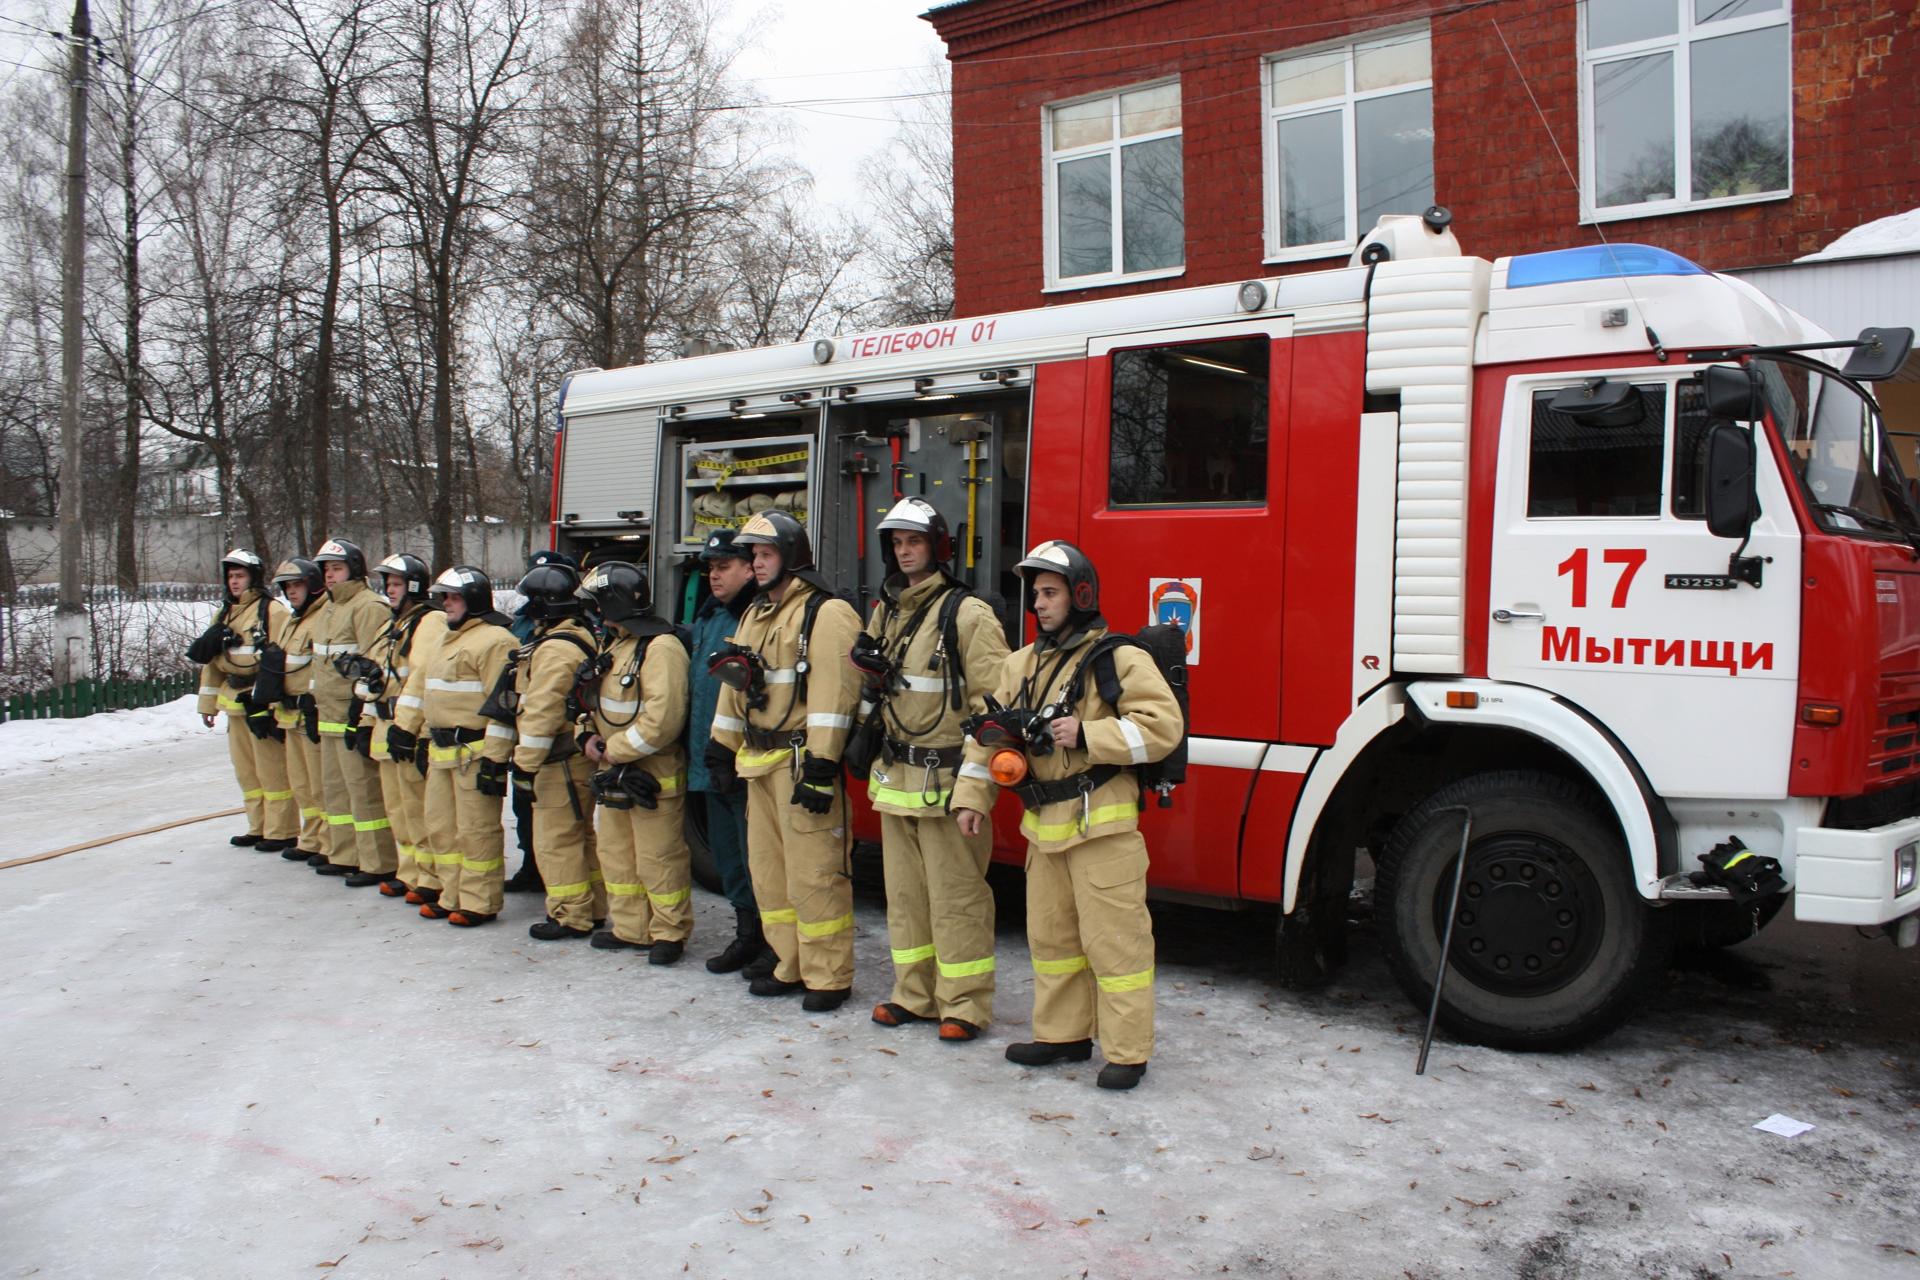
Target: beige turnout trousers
404,792
1092,944
563,843
648,868
939,916
260,767
801,881
303,776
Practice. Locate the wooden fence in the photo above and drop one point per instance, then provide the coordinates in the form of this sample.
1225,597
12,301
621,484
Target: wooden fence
84,697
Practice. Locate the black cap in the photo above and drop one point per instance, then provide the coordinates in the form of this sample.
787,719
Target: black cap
720,547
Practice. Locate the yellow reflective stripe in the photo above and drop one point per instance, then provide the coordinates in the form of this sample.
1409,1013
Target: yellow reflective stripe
276,795
378,824
668,899
1031,826
785,915
402,847
230,704
966,968
668,785
313,813
438,858
912,955
328,726
906,799
339,819
254,794
568,890
825,928
286,719
1128,981
444,754
491,864
620,890
1072,964
754,759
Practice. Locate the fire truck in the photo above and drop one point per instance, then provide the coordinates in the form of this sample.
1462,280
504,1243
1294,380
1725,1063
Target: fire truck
1589,563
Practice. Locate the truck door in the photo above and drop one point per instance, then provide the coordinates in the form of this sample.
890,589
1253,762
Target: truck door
1183,484
1606,588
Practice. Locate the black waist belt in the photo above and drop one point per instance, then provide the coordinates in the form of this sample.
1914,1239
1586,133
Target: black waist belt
941,757
772,739
1033,793
455,737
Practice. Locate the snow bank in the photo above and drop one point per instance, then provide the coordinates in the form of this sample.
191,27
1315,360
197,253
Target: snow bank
1897,233
24,742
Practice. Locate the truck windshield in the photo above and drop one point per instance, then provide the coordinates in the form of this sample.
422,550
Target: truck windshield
1838,445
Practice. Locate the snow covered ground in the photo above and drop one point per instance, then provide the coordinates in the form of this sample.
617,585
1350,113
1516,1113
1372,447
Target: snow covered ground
217,1064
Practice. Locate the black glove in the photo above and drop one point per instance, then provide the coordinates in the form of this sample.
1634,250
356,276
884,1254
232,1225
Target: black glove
491,778
522,779
310,717
400,743
420,755
211,643
360,740
818,780
720,765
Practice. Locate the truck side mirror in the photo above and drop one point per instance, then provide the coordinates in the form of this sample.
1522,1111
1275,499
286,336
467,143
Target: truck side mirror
1733,392
1880,354
1731,505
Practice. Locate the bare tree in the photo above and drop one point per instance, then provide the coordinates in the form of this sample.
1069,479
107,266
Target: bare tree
447,174
909,189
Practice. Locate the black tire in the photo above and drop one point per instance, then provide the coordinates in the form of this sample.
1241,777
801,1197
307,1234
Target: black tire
693,821
1553,946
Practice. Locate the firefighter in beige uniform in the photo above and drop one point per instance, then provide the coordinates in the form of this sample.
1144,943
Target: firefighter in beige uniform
932,654
305,592
1087,923
231,650
547,760
403,791
639,715
786,711
467,751
408,744
362,837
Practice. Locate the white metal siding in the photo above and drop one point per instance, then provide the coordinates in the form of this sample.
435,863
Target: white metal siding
608,465
1421,321
1845,295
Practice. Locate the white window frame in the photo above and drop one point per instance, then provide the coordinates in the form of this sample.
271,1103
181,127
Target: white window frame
1050,197
1680,46
1270,117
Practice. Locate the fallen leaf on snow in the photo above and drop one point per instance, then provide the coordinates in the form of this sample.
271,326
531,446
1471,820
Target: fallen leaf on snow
752,1222
891,1053
321,1266
1476,1204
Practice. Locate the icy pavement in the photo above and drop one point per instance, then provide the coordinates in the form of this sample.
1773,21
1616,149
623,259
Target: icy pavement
218,1064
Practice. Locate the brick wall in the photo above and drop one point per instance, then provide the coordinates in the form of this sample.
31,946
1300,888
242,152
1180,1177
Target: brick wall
1856,128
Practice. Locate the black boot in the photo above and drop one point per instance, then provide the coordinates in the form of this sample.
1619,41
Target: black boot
762,965
772,986
526,879
1037,1053
551,930
300,855
747,943
246,841
666,951
272,846
1121,1075
825,1000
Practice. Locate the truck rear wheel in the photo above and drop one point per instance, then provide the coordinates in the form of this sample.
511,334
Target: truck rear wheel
1553,944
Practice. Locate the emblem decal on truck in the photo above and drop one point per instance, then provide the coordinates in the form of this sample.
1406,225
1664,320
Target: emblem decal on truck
1175,602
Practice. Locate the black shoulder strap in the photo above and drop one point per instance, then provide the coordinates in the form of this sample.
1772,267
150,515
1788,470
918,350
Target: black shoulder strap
810,613
950,641
1106,675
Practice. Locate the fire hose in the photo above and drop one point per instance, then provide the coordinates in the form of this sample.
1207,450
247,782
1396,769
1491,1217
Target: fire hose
124,835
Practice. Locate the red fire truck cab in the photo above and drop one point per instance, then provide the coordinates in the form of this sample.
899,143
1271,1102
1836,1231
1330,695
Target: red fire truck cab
1594,550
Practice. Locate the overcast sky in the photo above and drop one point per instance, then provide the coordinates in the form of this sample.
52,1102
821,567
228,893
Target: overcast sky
800,51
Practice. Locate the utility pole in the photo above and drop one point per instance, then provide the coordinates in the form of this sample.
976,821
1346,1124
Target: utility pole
72,650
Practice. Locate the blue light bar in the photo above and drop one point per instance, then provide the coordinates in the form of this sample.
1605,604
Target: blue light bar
1597,262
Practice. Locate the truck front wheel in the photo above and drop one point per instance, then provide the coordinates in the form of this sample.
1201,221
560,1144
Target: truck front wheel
1553,945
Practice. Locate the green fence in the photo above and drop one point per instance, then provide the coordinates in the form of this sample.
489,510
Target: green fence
84,697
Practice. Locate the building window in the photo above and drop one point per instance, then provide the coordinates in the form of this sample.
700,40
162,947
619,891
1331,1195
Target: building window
1115,186
1349,137
1684,103
1189,425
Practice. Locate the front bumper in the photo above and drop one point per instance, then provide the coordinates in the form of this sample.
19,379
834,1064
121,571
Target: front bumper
1847,877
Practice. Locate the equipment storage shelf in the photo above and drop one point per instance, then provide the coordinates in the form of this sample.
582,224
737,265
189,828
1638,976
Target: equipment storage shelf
723,483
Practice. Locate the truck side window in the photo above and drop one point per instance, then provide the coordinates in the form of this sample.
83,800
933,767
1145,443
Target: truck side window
1576,468
1690,423
1190,424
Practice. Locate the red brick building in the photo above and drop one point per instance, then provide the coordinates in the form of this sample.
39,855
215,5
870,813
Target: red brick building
1107,146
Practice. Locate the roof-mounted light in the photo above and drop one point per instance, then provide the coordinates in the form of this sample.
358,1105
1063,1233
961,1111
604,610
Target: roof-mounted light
1597,262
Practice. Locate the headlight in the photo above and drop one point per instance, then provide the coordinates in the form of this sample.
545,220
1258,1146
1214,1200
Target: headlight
1906,868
